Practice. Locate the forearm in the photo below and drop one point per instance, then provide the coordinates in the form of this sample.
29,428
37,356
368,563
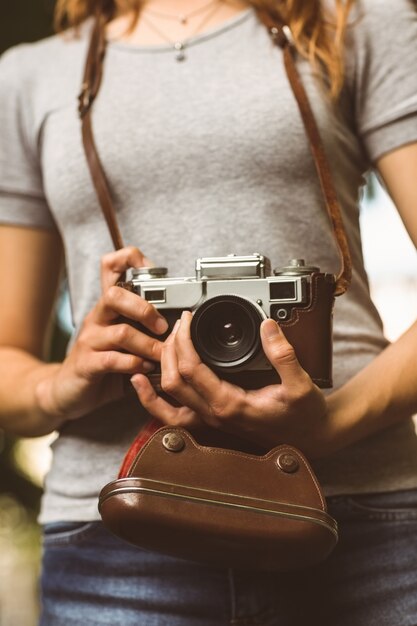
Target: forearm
379,396
20,412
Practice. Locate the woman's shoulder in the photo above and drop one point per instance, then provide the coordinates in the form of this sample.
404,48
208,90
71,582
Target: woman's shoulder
48,51
383,6
381,57
381,33
381,14
384,29
48,65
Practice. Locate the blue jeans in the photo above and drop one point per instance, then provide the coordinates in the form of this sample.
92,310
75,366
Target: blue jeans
91,578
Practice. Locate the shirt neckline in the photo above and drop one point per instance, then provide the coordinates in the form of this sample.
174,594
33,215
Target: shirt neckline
211,33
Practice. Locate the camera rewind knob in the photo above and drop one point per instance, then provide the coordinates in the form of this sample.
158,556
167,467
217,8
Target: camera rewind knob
145,273
296,267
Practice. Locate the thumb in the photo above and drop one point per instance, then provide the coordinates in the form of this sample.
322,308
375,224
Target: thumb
280,353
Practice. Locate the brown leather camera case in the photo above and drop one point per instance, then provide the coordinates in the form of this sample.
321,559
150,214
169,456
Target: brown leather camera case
267,513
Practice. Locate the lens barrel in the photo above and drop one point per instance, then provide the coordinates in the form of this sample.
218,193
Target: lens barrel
225,331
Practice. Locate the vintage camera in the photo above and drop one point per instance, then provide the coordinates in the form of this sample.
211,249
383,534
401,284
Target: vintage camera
230,296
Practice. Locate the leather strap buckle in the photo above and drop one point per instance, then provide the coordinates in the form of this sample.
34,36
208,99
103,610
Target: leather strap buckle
282,36
85,100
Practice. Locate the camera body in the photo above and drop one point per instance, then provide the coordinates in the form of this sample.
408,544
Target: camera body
230,296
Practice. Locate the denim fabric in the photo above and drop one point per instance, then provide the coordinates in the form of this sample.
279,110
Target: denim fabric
91,578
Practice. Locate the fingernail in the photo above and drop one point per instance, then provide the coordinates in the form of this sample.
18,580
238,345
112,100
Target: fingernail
161,325
148,366
176,326
271,328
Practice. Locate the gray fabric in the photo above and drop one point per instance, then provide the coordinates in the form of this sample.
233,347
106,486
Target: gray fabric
208,157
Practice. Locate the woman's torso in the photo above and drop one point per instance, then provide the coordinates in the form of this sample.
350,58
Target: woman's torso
205,157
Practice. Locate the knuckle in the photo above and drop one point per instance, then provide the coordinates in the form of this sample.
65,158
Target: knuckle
133,256
174,419
84,367
134,252
170,383
113,296
132,363
83,342
182,420
106,260
87,337
170,419
218,411
165,346
114,293
148,311
122,333
155,348
226,409
186,370
108,360
284,353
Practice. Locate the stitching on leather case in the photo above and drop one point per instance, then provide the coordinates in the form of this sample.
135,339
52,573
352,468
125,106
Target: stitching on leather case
299,312
210,450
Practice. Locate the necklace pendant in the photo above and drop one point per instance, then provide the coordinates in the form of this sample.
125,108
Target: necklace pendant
179,48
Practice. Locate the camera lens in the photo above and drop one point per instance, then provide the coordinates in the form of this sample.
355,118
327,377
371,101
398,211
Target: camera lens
225,331
230,334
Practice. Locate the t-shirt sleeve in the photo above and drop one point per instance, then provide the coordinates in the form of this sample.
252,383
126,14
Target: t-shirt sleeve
22,197
385,74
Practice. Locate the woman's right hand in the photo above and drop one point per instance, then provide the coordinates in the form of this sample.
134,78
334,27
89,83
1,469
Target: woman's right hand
106,348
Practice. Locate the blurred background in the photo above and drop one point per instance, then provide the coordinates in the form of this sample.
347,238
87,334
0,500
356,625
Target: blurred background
391,262
23,463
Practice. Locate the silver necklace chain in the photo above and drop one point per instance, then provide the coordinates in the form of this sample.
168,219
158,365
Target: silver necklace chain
180,45
180,17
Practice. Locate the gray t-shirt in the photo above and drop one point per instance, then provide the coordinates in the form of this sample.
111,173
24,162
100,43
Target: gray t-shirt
207,157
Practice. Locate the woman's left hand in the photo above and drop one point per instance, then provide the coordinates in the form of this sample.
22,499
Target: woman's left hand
294,412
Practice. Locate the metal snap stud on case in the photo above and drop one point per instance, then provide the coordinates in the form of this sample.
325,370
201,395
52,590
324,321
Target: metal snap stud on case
288,463
173,442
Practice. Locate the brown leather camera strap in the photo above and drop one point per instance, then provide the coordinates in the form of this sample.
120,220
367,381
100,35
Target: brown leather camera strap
93,73
282,37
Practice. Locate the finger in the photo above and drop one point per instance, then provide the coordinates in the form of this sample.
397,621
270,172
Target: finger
160,408
173,332
172,382
222,398
115,263
191,368
280,353
110,362
118,301
124,337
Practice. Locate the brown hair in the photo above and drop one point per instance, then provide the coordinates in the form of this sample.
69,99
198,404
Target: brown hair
318,35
